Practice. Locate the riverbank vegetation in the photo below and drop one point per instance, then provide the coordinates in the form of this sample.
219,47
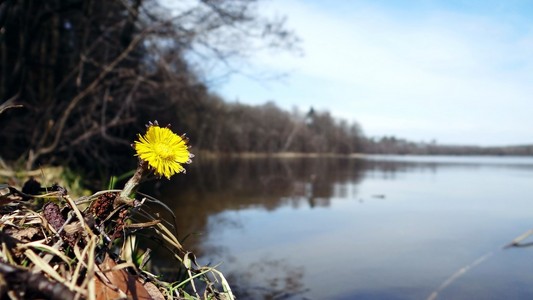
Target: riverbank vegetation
97,247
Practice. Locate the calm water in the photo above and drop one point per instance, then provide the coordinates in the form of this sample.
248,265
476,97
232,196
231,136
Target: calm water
376,228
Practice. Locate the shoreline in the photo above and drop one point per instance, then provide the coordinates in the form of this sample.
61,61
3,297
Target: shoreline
217,155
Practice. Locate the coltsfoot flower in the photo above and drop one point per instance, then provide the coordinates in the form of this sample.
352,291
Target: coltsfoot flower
163,150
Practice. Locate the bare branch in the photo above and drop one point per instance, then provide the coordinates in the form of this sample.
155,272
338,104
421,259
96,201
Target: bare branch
74,102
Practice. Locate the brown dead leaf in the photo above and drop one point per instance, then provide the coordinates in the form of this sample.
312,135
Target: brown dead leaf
153,291
23,234
117,281
6,196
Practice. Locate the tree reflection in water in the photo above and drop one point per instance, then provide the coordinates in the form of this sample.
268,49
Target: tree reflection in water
212,187
218,185
215,186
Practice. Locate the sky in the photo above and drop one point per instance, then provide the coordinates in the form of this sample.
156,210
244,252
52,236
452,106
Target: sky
458,72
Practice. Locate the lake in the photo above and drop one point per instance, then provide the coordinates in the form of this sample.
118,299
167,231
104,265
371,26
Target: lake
379,227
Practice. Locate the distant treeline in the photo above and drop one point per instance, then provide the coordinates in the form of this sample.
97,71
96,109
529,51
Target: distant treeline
224,127
393,145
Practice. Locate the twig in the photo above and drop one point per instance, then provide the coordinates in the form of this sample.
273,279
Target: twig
10,106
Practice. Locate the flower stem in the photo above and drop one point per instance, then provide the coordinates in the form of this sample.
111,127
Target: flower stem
131,186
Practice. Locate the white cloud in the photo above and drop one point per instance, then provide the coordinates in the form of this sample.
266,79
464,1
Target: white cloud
437,70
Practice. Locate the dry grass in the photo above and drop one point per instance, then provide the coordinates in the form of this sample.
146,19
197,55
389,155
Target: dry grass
56,247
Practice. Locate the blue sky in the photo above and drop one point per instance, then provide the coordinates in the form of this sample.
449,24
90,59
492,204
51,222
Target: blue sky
460,72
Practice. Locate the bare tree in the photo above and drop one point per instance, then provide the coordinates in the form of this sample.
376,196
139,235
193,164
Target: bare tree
89,73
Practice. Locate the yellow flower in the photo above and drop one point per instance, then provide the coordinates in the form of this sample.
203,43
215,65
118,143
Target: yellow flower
164,150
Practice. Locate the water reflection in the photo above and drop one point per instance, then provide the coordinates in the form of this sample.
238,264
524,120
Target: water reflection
215,186
339,228
212,188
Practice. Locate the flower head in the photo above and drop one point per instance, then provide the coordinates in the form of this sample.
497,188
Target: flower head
163,150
